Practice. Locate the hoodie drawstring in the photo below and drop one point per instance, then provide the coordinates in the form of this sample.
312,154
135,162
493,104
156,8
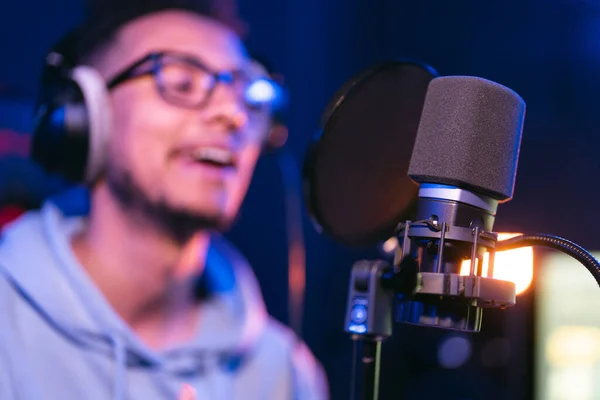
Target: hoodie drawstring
120,367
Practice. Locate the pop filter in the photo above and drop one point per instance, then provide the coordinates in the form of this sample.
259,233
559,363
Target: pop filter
356,182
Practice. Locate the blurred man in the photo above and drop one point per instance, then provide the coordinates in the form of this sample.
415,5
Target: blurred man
142,297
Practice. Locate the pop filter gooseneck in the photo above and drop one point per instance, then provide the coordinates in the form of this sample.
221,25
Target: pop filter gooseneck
356,185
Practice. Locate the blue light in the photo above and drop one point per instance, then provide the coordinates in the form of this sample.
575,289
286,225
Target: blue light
357,328
266,91
261,91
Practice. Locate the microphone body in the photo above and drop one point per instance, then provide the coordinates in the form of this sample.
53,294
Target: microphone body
465,160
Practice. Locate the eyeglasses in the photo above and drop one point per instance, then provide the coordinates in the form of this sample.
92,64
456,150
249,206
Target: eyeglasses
185,81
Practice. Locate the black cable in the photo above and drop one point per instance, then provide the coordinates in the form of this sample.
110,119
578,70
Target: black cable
290,177
354,382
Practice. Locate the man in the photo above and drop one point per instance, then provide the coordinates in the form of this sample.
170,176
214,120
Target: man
110,305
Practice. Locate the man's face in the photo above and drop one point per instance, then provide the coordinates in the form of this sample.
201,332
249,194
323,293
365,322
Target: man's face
164,150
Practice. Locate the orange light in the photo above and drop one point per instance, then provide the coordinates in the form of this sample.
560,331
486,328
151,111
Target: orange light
390,245
512,265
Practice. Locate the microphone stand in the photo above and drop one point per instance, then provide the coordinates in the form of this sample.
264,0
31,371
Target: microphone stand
369,320
368,358
374,284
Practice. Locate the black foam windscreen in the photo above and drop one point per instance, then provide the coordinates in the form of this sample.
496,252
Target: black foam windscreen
469,136
356,183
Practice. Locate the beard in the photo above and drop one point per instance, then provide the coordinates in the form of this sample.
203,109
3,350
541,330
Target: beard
178,223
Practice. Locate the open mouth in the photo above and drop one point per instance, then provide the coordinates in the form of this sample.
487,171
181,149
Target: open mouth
214,156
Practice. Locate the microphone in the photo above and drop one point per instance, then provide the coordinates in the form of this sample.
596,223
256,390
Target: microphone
465,159
361,179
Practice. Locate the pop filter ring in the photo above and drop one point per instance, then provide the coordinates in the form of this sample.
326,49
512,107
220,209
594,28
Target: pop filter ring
332,109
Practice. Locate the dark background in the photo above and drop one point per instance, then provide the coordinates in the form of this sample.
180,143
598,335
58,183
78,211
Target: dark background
547,51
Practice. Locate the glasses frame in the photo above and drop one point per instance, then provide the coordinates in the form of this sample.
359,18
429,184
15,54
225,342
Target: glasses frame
156,61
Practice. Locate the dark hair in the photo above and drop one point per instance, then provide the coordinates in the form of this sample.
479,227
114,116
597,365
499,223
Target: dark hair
106,17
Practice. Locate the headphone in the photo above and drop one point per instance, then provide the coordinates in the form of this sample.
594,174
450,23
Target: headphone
73,118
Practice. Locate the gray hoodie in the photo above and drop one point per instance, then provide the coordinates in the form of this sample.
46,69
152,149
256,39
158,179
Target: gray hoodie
60,339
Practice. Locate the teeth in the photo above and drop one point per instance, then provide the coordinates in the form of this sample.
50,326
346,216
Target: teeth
214,154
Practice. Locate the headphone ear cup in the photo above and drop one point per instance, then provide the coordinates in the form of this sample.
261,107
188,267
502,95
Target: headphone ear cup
98,110
55,148
72,127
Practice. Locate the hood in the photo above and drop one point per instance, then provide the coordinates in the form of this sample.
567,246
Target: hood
36,258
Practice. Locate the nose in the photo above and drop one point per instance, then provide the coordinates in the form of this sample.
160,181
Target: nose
227,108
239,119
